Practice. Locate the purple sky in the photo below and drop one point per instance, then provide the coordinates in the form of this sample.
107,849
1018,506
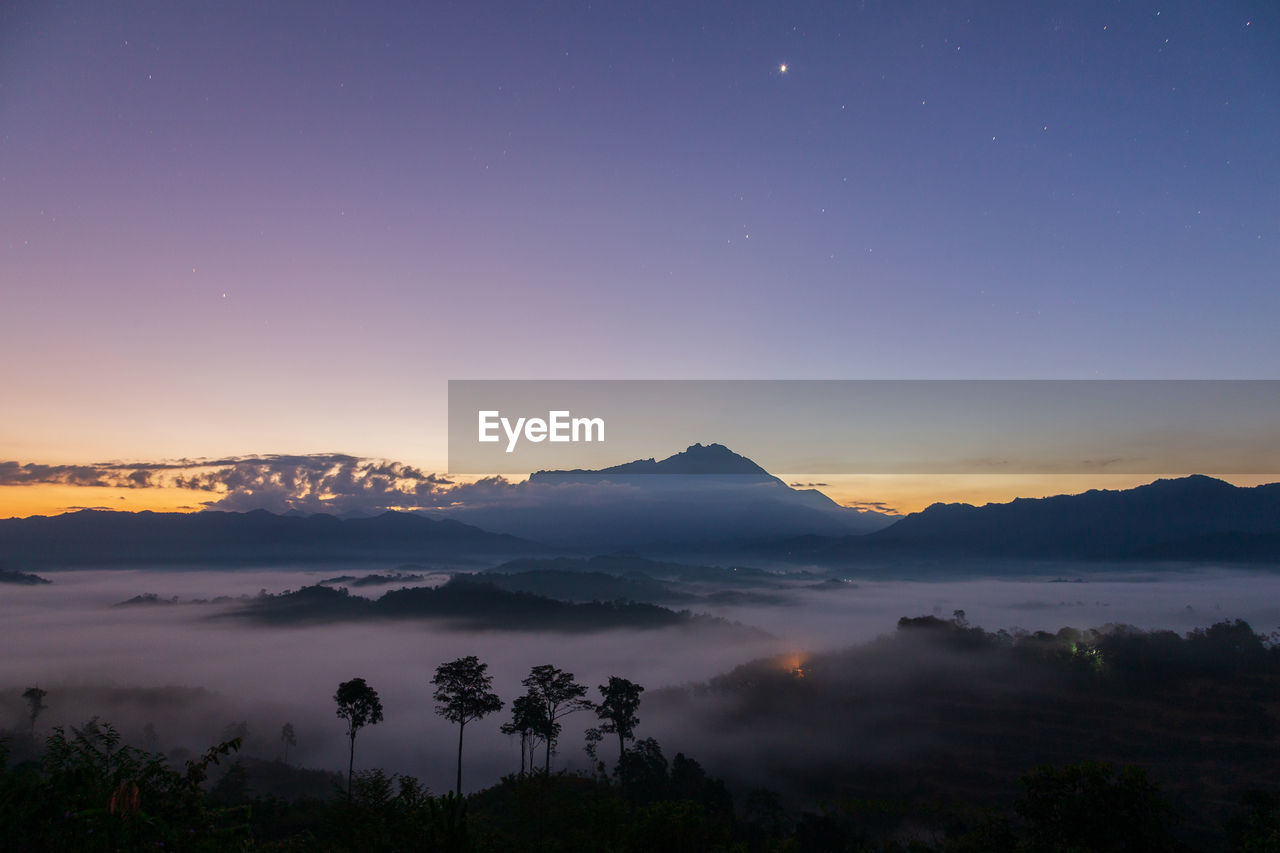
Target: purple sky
231,228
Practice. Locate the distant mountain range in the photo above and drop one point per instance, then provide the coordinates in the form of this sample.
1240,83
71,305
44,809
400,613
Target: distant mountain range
706,500
97,537
706,495
1189,518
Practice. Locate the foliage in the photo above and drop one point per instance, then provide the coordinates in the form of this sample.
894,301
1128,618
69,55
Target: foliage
359,705
620,699
1255,828
1089,806
91,792
558,695
529,720
464,693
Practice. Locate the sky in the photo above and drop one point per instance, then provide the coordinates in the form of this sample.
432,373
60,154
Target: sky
240,229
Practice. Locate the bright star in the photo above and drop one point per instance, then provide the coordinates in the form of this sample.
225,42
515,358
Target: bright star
783,68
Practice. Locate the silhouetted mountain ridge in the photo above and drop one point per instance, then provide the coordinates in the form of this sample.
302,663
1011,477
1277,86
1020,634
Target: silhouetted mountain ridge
703,495
699,459
470,602
1195,517
105,537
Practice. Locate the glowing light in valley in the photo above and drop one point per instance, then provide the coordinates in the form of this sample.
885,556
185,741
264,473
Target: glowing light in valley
794,663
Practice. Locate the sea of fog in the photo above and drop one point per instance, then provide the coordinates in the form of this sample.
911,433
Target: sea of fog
190,674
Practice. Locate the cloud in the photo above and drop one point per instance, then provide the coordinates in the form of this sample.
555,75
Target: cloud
809,485
335,483
343,485
16,474
875,506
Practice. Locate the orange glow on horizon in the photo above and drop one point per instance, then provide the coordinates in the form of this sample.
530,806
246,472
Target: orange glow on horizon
56,499
889,493
907,493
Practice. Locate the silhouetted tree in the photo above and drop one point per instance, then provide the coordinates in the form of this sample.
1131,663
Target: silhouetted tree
1255,827
617,708
35,704
288,738
528,719
559,695
464,693
593,738
1089,806
359,705
643,772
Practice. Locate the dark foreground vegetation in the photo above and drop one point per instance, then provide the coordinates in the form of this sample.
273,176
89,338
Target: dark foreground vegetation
1106,740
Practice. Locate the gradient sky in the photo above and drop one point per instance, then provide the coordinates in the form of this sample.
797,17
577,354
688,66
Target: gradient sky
239,228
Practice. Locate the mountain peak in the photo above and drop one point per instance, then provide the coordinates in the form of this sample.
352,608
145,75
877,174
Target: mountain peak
694,459
1193,482
708,459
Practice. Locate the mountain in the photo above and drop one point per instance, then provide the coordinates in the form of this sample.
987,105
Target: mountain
1189,518
695,459
98,537
469,602
22,578
706,497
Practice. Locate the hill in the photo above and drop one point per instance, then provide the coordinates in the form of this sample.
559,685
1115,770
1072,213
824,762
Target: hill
467,603
97,537
1188,518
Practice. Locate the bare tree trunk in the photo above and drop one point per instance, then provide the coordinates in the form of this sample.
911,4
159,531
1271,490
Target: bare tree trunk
458,788
522,746
351,763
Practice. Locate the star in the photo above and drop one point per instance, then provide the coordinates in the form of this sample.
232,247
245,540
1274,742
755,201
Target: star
782,69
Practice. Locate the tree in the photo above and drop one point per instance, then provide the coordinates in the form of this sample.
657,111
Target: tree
288,738
359,705
528,719
35,704
642,772
558,695
1090,806
464,693
621,699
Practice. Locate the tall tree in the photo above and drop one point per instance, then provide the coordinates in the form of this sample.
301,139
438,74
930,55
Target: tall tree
464,693
359,705
620,699
35,704
558,695
288,738
528,721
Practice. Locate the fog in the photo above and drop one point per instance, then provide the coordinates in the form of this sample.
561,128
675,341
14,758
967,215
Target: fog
191,675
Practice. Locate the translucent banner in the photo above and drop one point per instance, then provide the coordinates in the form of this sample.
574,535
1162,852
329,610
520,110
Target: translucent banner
873,426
